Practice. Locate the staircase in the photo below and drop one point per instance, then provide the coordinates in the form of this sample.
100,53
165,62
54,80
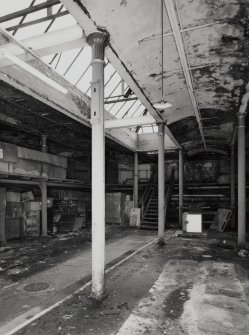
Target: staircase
150,217
150,209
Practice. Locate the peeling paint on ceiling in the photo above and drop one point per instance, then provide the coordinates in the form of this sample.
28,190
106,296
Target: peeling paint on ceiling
215,34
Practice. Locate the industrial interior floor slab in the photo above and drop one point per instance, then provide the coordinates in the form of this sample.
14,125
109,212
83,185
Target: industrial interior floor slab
191,286
22,300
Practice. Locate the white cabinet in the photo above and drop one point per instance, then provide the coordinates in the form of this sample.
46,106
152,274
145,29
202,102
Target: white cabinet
192,222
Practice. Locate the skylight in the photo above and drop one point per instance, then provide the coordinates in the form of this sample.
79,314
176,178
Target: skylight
24,19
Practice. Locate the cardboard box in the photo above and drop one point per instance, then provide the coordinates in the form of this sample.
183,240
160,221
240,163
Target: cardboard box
13,197
32,206
26,196
135,217
13,210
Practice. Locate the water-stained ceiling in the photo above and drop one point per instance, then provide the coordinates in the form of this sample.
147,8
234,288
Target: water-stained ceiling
206,44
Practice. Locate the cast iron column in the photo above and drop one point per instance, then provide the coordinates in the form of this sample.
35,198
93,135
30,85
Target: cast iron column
161,184
135,187
181,168
98,41
232,187
43,187
2,215
241,181
44,146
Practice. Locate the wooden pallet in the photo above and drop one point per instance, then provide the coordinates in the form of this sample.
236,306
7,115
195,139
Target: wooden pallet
223,218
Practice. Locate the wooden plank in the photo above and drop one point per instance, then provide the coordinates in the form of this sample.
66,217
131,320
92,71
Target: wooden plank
28,10
2,214
42,19
224,215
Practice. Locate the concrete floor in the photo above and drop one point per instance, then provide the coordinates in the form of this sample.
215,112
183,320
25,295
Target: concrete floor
195,297
192,286
18,305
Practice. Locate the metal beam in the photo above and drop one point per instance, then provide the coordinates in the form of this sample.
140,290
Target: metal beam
52,42
131,122
172,14
60,102
24,17
89,26
43,19
120,100
31,9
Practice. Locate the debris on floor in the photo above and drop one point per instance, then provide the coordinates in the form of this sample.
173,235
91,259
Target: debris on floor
24,257
189,287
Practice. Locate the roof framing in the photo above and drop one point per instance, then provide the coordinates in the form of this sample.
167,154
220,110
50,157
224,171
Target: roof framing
77,10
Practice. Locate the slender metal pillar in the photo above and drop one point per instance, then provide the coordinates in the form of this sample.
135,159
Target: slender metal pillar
241,181
44,146
232,184
44,211
181,168
43,187
2,214
135,186
161,184
98,41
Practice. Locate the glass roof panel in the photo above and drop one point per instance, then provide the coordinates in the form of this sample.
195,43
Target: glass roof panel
74,65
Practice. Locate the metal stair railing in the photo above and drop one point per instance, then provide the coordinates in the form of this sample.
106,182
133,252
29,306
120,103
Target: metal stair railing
169,191
143,203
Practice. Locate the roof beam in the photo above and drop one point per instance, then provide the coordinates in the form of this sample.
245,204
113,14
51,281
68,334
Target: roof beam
42,19
119,100
73,104
31,9
87,24
129,122
172,14
46,44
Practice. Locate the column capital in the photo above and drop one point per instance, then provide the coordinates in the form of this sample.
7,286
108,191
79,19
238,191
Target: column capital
241,119
161,128
161,123
98,40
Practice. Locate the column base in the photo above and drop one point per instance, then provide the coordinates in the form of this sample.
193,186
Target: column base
161,242
98,298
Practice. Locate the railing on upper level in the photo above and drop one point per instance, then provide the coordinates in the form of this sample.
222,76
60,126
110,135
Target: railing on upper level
143,203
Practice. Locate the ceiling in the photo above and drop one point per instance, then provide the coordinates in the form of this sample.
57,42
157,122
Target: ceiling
212,71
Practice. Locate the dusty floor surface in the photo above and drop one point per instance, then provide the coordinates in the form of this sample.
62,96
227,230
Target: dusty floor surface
191,286
22,258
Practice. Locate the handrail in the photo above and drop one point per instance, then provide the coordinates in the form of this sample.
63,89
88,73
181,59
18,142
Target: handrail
169,191
146,195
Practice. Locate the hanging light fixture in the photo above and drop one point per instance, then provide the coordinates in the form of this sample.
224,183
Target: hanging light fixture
162,104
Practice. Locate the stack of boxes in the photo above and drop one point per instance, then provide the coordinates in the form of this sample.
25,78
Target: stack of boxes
118,208
23,214
13,215
31,214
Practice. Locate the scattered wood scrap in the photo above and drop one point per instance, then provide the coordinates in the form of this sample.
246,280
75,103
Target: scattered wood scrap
222,218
